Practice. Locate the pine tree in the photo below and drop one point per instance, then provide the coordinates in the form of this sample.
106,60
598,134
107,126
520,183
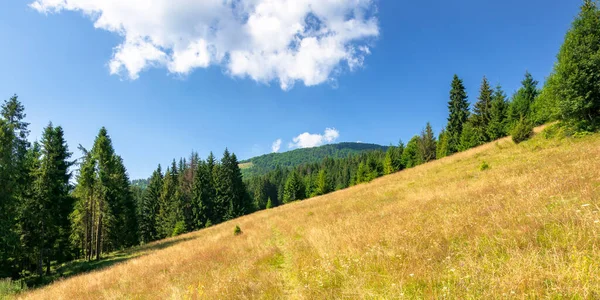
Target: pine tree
498,115
427,144
459,114
482,111
577,70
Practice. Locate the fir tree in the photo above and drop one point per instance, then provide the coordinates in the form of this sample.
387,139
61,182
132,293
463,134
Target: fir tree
459,114
149,208
498,115
167,215
203,196
482,111
427,144
442,145
520,106
410,155
294,188
577,70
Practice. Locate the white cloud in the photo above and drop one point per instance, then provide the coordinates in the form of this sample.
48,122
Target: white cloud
267,40
309,140
276,146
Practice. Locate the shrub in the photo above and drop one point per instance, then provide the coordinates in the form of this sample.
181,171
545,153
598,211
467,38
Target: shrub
208,223
179,228
269,204
237,230
484,166
522,131
10,287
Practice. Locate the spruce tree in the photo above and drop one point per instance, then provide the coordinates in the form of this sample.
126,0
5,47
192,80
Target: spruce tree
167,215
523,99
427,144
498,115
482,111
294,188
149,208
459,113
324,183
442,145
203,196
577,69
469,137
410,155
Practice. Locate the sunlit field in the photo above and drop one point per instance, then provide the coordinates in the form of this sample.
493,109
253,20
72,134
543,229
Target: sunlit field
525,226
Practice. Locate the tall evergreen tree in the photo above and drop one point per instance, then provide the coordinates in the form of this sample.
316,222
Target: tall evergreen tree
442,145
52,200
294,188
149,207
577,71
459,113
410,155
522,101
427,144
167,215
203,196
482,111
498,115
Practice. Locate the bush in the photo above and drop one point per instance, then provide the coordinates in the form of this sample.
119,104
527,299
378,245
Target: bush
10,287
179,228
269,204
237,230
522,131
208,223
484,166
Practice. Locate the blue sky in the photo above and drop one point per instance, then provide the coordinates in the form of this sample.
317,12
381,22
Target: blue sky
59,65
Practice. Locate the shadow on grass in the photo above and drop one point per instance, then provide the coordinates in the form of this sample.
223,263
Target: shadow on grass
81,266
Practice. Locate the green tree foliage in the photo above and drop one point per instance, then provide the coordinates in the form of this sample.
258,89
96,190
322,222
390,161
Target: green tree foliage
168,206
469,137
427,144
459,114
522,131
294,188
482,111
262,165
203,195
411,156
442,145
393,159
324,182
577,70
498,115
149,207
545,107
522,101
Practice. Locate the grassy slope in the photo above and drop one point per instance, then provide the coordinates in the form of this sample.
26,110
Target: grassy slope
528,226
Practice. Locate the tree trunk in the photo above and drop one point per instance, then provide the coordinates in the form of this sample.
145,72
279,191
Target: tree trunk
99,234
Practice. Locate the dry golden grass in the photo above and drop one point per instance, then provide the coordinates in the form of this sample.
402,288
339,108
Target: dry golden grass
527,227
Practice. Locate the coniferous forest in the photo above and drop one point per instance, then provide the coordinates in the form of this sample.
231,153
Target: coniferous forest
58,203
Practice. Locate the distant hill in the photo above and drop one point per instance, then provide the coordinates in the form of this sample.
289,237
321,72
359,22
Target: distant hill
141,183
262,164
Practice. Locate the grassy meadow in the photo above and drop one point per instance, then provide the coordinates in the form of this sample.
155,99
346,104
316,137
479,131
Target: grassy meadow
497,221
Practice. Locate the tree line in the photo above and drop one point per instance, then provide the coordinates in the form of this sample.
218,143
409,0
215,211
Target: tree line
49,214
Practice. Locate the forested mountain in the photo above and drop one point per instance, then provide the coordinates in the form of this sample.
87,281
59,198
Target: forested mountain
261,165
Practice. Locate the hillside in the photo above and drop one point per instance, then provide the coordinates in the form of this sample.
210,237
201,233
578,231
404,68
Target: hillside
263,164
526,227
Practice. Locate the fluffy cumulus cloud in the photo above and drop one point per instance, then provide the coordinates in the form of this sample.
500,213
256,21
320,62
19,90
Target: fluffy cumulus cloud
276,146
267,40
309,140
